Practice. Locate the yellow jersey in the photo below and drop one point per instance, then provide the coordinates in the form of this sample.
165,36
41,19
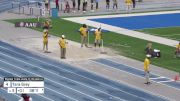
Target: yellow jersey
128,2
98,35
62,43
178,46
146,64
83,31
45,37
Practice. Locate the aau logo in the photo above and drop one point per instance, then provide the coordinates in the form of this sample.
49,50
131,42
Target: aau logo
28,24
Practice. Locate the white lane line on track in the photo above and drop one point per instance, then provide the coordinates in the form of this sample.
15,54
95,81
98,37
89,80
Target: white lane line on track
138,69
89,87
165,81
47,78
73,73
157,78
139,77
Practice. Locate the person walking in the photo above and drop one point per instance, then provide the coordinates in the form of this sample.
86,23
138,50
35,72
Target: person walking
92,5
62,44
147,68
107,4
84,5
97,4
134,3
45,40
74,5
25,97
84,34
98,37
79,4
128,5
115,4
46,4
57,4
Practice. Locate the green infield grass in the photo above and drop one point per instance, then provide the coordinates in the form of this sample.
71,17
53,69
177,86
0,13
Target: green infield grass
124,45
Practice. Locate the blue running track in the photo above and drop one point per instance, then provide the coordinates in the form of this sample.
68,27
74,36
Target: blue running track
64,82
143,22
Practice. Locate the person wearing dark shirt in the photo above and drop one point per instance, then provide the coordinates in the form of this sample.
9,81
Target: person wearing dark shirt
79,3
57,4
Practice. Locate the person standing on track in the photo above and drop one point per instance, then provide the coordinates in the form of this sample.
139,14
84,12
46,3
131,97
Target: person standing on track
62,44
146,68
84,34
45,40
98,37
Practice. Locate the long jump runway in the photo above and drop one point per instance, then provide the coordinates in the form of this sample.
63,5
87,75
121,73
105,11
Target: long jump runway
64,82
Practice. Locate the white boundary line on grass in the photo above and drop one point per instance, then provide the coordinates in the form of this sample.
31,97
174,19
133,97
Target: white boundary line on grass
124,31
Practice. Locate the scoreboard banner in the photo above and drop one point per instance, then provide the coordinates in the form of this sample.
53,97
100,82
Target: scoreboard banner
20,85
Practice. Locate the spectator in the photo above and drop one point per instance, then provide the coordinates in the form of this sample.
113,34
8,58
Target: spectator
84,5
129,5
115,4
134,3
46,4
97,4
107,4
57,4
67,7
74,5
92,5
25,97
62,44
98,37
79,3
146,68
84,34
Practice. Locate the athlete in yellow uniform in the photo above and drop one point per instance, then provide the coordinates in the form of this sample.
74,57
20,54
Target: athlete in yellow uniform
62,44
129,5
98,36
177,49
84,33
146,68
45,40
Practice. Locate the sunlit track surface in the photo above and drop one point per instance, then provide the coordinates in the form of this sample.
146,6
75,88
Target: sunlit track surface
64,82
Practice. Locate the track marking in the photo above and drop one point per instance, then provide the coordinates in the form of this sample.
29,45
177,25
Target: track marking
70,72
